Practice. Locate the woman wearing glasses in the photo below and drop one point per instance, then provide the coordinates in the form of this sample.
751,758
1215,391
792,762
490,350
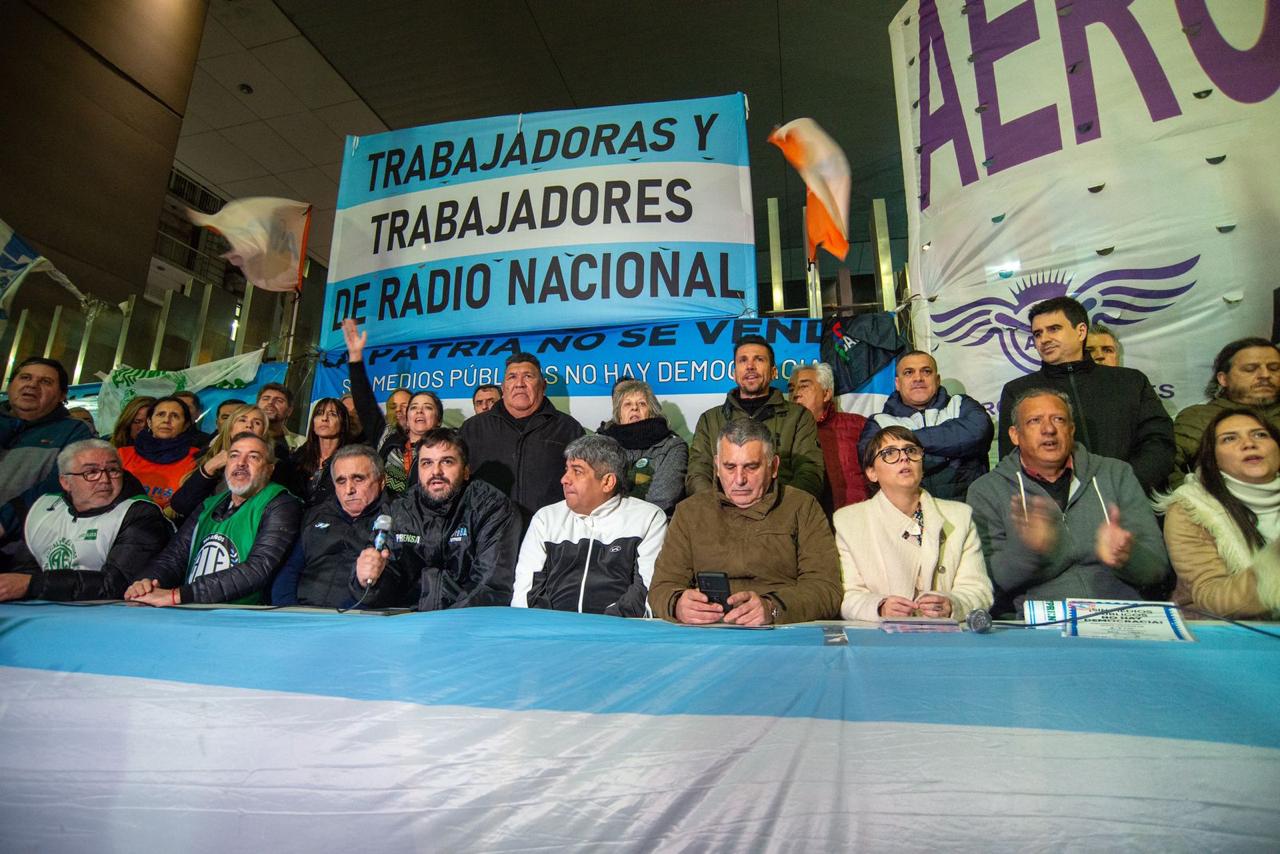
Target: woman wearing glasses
904,553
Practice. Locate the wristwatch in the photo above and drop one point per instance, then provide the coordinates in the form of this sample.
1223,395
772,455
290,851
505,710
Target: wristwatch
772,609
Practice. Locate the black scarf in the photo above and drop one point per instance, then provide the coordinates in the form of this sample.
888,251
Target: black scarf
639,435
164,451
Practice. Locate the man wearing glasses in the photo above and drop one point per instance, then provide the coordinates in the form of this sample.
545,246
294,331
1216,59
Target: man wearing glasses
92,539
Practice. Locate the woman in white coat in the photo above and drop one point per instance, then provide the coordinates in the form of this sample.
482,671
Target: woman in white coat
903,552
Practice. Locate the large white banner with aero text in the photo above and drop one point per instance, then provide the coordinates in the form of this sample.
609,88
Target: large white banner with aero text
1121,152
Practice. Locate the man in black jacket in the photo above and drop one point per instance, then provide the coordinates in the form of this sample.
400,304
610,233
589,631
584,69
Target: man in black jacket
1117,413
454,540
229,550
319,570
518,445
92,539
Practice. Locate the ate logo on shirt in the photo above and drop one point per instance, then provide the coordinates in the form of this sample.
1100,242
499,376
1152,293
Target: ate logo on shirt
62,555
216,553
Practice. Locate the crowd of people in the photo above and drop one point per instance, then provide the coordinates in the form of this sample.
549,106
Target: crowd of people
782,509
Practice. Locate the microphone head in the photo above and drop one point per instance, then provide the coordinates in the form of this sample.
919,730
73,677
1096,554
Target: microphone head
382,523
978,621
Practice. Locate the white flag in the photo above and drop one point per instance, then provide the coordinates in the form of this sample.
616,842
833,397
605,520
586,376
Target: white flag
268,239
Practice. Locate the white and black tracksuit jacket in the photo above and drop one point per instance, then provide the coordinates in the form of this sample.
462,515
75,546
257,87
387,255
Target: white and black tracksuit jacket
601,563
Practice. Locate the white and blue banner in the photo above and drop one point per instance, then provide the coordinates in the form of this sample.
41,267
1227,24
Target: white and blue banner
1119,153
515,730
687,363
545,221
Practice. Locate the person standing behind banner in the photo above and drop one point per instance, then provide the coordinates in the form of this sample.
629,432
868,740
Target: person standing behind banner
795,433
903,552
423,412
656,456
165,451
484,397
518,445
328,431
206,478
132,421
954,430
813,387
34,427
229,551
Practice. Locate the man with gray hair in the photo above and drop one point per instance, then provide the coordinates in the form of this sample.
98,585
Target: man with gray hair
1102,345
594,551
1058,522
773,542
814,388
334,533
92,539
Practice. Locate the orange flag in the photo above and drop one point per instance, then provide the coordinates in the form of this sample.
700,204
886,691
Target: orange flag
825,171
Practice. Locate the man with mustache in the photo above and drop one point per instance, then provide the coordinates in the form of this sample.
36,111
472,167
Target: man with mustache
91,539
453,540
229,550
1116,411
1058,521
795,433
1246,372
954,429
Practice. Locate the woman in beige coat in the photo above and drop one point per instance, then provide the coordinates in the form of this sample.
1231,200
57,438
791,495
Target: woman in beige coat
1222,525
903,552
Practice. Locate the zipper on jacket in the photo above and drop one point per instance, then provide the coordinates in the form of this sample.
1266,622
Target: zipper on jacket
582,588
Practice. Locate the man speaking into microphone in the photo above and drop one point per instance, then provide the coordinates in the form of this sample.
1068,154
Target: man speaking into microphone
453,541
319,570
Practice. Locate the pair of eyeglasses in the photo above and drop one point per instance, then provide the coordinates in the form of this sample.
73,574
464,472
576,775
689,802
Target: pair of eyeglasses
915,453
95,475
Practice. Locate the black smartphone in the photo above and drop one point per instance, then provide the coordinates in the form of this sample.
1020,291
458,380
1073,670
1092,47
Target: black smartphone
715,586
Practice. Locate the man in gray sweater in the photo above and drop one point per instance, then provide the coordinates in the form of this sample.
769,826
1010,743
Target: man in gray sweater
1058,522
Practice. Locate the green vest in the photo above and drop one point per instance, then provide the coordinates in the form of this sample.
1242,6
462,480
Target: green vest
218,546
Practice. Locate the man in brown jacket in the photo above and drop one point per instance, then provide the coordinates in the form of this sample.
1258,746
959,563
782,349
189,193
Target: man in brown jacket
772,540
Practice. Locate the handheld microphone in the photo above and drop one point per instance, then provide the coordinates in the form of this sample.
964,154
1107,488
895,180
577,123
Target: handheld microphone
381,531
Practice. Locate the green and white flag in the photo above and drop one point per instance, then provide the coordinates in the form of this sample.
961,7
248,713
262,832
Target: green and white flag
126,383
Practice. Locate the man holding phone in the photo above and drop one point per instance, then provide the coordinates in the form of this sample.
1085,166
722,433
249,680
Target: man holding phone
771,542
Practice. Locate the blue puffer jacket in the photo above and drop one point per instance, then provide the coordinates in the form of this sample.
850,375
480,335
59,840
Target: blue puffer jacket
956,433
29,461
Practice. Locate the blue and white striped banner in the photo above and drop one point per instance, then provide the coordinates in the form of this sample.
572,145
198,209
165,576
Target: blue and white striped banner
133,729
545,221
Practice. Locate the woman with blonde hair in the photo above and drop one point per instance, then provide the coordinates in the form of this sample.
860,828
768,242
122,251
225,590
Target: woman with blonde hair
656,456
132,421
206,477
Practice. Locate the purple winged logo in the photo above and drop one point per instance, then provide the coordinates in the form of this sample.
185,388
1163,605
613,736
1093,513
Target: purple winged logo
1115,297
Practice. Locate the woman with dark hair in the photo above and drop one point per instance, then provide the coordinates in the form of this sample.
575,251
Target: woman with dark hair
903,552
165,451
656,456
132,421
329,430
422,412
1222,526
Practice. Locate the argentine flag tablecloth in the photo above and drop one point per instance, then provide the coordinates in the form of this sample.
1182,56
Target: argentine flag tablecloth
133,729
